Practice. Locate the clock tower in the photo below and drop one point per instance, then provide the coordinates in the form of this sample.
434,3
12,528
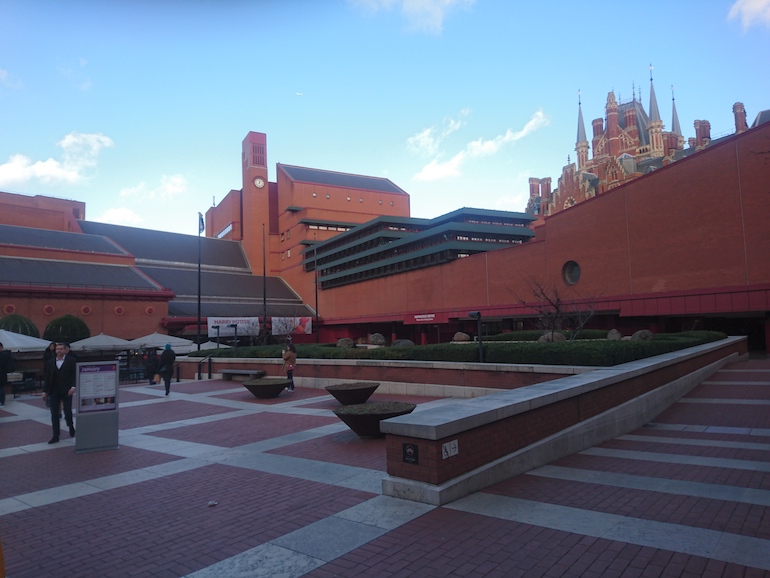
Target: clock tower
255,200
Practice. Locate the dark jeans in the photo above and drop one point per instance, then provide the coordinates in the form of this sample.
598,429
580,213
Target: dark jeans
167,379
2,393
66,401
290,376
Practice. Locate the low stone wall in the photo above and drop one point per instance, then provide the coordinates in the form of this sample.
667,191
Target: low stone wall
429,378
439,455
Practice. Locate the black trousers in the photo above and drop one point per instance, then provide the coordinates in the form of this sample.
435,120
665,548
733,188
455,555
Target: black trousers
66,402
167,380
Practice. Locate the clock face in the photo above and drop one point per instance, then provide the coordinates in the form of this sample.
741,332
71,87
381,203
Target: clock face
259,182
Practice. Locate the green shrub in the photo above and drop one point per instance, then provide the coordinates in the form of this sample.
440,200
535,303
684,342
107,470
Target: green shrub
16,323
585,352
66,328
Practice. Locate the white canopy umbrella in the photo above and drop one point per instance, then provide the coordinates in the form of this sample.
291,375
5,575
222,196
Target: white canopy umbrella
213,345
18,342
101,342
159,340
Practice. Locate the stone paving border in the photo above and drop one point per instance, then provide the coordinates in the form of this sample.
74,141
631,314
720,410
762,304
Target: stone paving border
582,515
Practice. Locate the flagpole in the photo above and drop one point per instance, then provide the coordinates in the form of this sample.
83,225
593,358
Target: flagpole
200,230
264,283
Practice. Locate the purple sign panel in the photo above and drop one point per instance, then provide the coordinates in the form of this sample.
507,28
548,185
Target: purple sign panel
97,387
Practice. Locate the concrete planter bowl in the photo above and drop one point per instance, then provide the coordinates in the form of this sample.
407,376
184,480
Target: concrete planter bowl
352,393
364,418
266,388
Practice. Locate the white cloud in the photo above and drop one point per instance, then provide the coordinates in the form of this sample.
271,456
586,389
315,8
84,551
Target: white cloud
751,12
511,202
76,75
80,152
427,141
119,216
6,79
436,170
421,15
169,187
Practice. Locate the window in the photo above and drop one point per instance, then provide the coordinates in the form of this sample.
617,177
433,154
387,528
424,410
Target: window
570,272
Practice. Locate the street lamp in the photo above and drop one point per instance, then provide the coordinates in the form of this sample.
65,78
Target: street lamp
235,326
217,328
477,316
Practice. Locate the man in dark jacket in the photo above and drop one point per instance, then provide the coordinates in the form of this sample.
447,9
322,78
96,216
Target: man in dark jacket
59,386
166,369
5,368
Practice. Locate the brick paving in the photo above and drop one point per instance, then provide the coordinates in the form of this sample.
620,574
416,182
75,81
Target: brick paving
687,495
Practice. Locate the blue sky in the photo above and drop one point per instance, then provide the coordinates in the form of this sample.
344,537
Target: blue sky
138,108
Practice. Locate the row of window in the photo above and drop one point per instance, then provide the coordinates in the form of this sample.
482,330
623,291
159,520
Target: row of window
340,228
393,268
360,199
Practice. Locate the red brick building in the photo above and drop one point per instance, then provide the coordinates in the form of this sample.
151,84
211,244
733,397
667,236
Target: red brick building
682,245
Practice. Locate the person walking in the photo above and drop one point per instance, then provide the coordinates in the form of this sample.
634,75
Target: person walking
151,365
49,353
289,355
6,367
58,388
166,369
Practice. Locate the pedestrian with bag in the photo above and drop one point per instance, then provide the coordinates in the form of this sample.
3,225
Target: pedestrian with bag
7,365
166,369
151,367
289,355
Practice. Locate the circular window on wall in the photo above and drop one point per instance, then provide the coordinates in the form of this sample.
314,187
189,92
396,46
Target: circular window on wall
9,309
86,310
119,310
570,272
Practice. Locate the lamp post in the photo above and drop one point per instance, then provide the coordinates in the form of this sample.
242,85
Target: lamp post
217,328
315,283
235,327
477,316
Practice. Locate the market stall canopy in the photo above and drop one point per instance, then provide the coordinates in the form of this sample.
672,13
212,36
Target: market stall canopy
159,340
101,342
18,342
213,345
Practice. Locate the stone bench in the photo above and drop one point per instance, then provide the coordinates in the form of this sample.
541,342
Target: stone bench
231,374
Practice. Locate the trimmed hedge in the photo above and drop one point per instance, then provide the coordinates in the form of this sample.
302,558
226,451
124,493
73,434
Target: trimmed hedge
581,352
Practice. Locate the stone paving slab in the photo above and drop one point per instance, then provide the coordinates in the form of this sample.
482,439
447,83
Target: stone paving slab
294,493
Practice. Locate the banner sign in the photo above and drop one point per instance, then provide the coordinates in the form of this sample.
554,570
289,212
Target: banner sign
419,318
292,325
97,387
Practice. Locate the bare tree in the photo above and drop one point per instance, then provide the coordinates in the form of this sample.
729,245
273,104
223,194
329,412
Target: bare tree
555,313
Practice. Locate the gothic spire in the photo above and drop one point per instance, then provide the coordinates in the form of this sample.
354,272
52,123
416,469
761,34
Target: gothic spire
675,117
654,114
581,132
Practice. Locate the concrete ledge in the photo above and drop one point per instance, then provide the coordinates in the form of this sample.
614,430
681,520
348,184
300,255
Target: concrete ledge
510,432
449,420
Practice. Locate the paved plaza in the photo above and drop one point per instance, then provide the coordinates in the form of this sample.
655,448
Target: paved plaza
211,482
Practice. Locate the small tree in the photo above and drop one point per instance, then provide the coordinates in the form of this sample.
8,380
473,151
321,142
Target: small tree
66,328
556,313
19,324
252,330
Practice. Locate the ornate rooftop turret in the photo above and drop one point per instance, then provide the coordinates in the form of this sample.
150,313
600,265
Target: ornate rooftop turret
581,145
655,126
675,128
